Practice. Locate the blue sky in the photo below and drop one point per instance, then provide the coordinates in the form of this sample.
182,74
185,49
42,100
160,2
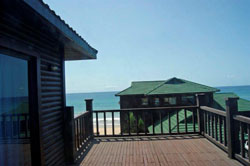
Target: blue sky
203,41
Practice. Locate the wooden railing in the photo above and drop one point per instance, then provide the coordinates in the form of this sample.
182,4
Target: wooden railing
146,121
229,129
242,152
78,132
215,126
83,130
14,126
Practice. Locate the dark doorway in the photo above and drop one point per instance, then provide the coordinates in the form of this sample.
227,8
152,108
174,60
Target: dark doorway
15,144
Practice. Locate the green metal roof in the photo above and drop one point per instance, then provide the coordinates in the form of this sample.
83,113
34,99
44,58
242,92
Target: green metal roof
165,121
219,102
171,86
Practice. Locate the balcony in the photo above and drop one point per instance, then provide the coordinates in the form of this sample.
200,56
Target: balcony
185,135
161,150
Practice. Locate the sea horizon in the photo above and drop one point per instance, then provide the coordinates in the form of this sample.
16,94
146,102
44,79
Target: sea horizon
122,89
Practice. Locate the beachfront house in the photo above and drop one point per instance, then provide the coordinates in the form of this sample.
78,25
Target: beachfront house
34,45
169,93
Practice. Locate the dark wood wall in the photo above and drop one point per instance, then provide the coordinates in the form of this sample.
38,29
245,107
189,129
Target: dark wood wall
52,108
30,36
134,101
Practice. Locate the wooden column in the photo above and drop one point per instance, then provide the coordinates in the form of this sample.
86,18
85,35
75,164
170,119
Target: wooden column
70,135
89,107
201,101
232,128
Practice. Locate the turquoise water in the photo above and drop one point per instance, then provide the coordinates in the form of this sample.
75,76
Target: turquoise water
241,91
101,101
108,100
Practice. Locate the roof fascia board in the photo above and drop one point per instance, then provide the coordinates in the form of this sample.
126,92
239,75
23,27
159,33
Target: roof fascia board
61,26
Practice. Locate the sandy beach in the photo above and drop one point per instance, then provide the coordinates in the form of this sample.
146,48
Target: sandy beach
109,130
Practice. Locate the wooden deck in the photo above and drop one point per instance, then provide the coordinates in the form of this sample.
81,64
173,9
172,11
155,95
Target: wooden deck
168,150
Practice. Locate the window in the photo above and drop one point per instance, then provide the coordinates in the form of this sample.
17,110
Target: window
170,101
144,101
157,101
188,100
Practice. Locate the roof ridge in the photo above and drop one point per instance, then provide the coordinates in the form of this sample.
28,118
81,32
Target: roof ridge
157,87
200,84
149,81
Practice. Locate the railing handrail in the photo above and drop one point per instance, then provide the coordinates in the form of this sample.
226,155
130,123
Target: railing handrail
151,108
82,115
242,118
213,110
15,114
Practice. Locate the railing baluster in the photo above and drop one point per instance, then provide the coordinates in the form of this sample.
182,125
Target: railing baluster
242,149
85,128
129,132
136,118
144,120
18,126
11,126
177,121
105,127
80,131
220,129
26,126
216,128
205,121
4,125
248,140
153,123
185,120
208,117
193,119
160,113
212,123
225,131
122,126
169,122
113,123
97,123
77,133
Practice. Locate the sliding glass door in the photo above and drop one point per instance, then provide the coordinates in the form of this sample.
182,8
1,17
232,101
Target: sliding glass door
14,112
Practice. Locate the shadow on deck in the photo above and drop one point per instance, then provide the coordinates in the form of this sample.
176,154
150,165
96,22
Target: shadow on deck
163,150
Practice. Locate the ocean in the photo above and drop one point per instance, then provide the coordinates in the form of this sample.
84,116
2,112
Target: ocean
108,100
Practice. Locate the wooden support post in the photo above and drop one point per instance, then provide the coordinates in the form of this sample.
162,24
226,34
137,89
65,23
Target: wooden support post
70,135
201,101
89,107
232,129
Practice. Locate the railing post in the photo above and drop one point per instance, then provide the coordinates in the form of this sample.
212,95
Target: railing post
232,129
69,135
201,101
89,107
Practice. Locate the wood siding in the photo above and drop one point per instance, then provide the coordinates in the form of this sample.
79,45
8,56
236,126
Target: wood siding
52,108
29,36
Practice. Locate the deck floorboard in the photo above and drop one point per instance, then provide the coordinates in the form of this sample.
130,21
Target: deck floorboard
189,150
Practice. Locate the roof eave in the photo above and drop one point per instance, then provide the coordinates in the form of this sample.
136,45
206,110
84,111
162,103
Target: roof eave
76,48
